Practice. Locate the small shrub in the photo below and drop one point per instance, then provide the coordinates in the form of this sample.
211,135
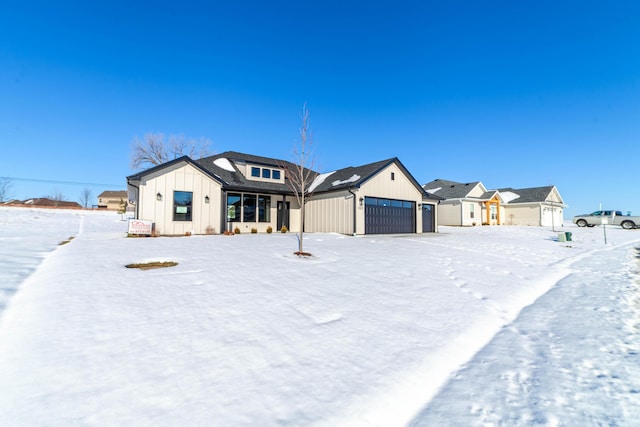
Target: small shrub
254,230
228,233
236,230
284,229
187,233
153,264
269,230
64,242
210,230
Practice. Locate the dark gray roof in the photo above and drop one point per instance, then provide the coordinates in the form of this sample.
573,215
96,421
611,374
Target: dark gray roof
350,177
450,189
237,181
487,195
529,195
355,176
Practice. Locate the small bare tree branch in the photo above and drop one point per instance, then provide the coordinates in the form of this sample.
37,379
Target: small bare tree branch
154,149
85,196
5,188
299,174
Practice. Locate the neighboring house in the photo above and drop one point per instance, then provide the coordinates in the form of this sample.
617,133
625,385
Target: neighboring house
235,190
111,200
472,204
533,206
466,204
46,202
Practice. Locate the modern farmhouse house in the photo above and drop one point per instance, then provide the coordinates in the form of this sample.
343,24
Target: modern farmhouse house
235,190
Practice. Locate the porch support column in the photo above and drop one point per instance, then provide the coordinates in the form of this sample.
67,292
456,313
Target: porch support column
487,207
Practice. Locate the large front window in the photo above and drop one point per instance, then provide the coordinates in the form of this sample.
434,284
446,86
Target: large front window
233,207
182,201
249,208
264,208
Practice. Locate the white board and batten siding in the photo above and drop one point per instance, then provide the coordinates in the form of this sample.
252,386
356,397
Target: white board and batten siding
333,212
180,177
384,187
330,213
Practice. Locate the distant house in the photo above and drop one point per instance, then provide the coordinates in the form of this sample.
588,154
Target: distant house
533,206
46,202
471,203
241,191
111,200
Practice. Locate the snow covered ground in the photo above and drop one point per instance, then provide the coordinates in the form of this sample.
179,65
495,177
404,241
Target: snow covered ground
472,326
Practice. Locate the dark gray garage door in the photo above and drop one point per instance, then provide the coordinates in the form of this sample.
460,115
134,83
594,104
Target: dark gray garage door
428,219
384,216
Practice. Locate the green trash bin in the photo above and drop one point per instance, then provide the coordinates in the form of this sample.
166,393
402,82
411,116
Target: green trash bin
568,236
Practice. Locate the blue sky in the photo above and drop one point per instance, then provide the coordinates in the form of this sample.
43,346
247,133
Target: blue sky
513,94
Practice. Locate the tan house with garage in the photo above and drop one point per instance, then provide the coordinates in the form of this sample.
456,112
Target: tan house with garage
111,200
235,190
542,206
466,204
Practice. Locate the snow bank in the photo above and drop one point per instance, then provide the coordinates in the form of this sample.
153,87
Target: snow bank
242,332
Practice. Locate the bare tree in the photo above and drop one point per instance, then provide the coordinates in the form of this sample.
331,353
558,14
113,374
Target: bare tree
299,173
85,196
56,198
5,188
154,149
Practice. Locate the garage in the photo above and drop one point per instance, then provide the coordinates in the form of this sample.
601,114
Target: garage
388,216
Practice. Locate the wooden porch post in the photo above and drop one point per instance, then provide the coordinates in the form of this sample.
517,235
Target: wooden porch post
487,207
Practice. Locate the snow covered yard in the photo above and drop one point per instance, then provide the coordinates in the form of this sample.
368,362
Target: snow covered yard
369,331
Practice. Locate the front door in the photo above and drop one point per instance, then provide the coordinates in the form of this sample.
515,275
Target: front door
283,214
428,218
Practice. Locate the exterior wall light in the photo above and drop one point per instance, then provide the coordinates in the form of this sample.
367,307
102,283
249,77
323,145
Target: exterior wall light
159,197
419,205
206,199
361,200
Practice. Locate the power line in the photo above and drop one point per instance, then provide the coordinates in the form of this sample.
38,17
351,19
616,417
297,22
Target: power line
50,181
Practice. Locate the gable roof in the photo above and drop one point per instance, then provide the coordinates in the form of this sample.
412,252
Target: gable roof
529,195
351,177
356,176
451,189
113,193
138,176
223,168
